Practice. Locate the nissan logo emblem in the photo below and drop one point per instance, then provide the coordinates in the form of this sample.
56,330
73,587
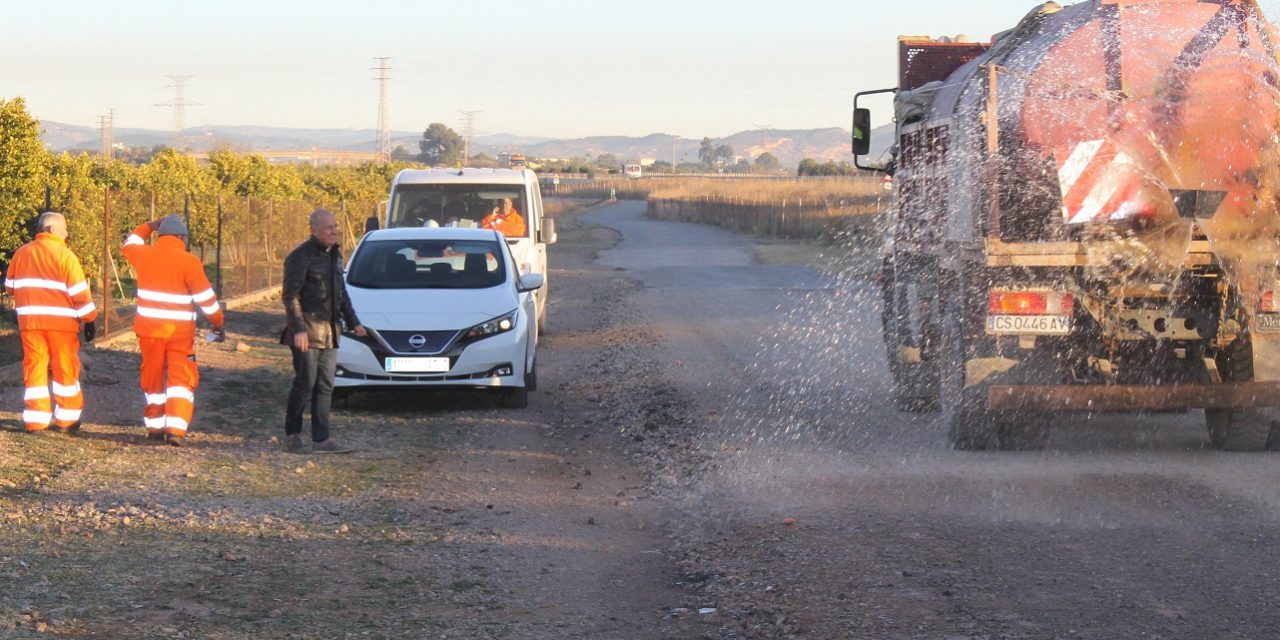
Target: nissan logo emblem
417,341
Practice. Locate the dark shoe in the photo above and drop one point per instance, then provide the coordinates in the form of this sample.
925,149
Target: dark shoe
175,439
329,446
155,434
70,429
293,444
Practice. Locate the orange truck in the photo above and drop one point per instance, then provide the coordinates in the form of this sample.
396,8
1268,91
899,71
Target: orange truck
1085,220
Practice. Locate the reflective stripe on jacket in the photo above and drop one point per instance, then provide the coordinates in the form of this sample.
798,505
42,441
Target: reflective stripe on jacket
171,286
48,286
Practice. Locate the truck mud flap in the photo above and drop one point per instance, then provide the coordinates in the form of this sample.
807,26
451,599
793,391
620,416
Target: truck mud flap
1242,395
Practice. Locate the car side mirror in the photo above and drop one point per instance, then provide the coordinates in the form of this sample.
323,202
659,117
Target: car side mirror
531,282
547,235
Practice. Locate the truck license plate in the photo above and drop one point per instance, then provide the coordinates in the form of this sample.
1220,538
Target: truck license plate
1029,325
1268,322
416,365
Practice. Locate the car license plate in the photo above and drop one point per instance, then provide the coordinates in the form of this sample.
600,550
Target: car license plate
1029,325
416,365
1268,322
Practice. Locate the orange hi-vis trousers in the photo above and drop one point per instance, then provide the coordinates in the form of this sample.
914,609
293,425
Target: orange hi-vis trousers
61,349
169,380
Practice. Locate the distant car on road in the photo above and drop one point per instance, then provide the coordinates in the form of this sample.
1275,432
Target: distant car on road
445,307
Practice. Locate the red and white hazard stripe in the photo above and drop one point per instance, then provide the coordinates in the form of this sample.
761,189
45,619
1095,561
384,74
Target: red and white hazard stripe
1097,182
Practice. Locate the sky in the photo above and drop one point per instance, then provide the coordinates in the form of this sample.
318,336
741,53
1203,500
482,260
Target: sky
561,69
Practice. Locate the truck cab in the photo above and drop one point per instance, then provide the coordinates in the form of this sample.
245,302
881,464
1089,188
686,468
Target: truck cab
508,200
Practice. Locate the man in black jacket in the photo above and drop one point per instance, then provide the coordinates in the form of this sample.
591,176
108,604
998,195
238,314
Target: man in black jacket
316,305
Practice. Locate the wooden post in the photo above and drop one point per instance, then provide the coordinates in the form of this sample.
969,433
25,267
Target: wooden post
248,215
106,261
266,241
218,272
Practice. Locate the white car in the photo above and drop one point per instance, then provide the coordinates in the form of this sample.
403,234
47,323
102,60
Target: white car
445,307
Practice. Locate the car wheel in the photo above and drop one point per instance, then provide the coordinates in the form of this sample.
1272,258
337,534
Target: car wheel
514,397
531,377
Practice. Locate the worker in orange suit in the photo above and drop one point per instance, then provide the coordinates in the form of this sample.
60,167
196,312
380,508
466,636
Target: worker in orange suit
170,281
51,297
505,220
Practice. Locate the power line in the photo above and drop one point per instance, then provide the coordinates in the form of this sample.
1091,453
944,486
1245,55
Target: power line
468,131
179,103
106,134
384,128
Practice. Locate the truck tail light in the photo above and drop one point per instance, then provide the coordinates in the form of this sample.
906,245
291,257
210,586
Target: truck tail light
1268,304
1029,303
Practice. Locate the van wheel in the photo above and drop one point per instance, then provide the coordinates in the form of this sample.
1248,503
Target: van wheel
514,397
531,377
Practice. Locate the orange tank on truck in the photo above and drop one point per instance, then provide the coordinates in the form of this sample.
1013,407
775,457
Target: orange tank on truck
1084,219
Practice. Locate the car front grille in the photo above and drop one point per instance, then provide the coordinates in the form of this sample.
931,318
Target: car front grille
432,342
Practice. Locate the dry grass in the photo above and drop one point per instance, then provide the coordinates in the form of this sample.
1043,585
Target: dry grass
791,208
558,207
769,190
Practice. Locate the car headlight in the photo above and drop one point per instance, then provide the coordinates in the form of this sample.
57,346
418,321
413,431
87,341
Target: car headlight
501,324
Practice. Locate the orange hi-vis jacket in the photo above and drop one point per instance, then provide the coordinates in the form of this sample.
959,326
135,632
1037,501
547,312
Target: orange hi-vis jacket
509,223
170,281
48,286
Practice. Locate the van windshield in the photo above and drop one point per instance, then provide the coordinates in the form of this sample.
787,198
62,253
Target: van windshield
498,207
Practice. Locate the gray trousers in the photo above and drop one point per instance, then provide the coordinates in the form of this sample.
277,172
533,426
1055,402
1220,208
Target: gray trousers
312,384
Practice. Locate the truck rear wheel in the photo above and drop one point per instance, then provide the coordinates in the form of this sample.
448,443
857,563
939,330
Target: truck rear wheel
1218,421
915,376
1238,429
972,424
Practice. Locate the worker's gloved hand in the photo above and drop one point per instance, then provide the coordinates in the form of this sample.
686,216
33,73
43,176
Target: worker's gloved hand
89,331
218,334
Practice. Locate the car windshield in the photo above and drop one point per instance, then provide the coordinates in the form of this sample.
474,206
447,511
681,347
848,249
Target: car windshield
469,206
427,264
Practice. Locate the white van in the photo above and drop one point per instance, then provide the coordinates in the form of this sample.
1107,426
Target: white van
467,198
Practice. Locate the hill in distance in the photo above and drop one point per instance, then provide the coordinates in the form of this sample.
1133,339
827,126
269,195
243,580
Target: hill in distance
788,145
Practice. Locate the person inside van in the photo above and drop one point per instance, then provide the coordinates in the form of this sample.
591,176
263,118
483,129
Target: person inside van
505,219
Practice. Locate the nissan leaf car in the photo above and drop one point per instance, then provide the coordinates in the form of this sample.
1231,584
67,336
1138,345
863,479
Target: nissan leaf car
444,307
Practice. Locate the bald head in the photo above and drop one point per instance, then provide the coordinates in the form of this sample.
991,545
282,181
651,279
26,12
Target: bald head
324,227
52,223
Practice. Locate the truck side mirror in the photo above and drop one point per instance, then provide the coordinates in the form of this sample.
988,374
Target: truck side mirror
371,224
861,132
547,235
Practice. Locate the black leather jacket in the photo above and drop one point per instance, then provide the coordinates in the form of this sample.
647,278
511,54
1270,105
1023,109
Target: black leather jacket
315,297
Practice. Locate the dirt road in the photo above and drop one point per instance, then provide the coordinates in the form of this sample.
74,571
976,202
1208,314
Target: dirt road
1124,527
